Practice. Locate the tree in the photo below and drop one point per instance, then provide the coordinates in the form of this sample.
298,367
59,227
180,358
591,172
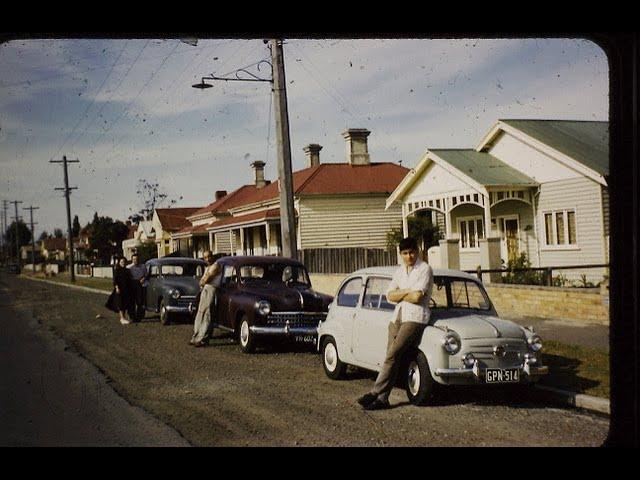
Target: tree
150,196
24,235
421,228
75,229
43,236
106,236
58,233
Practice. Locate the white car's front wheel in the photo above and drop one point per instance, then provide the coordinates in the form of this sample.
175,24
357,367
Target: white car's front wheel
419,383
333,366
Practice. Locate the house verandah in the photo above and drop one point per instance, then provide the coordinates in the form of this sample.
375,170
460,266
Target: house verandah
536,187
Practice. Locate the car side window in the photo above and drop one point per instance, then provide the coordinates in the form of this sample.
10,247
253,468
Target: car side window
228,275
154,270
350,293
375,294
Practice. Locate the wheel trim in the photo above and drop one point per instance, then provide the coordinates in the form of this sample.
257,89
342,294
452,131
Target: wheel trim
413,377
244,333
330,357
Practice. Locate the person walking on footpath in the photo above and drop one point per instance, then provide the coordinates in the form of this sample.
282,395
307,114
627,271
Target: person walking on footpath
121,299
138,282
410,289
209,282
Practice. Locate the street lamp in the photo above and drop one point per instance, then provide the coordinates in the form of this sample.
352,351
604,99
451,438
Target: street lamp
278,87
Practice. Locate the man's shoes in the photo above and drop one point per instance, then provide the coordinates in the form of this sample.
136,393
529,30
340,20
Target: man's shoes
377,405
199,344
366,399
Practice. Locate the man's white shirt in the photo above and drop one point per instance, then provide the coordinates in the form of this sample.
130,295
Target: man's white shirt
416,278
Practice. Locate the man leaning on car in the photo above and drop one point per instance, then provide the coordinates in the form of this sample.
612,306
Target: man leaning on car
410,289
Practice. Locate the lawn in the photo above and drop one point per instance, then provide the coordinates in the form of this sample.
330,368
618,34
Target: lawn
576,368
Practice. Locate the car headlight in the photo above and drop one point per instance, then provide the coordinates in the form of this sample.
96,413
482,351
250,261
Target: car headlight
175,293
451,343
535,343
530,358
264,307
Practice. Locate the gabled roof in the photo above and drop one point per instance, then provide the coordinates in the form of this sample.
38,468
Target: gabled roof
245,219
586,142
173,219
483,168
231,200
55,243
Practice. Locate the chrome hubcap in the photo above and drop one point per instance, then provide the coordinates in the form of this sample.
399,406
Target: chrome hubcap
413,379
330,357
244,333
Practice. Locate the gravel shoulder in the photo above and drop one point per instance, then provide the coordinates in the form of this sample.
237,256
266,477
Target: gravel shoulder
217,396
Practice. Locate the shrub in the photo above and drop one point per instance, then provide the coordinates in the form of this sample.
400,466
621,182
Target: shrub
526,277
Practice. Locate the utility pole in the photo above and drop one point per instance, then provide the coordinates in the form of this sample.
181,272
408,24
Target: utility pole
33,237
67,191
4,230
287,212
15,204
279,89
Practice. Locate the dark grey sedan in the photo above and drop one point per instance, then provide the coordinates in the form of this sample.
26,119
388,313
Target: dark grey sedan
172,286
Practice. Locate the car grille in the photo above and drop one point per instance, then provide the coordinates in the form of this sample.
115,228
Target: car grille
185,301
296,319
483,352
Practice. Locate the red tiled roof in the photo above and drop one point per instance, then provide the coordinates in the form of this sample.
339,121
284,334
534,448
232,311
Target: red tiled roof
55,243
173,219
234,199
191,229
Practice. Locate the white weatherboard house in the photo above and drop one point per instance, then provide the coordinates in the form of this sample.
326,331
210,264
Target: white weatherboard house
533,186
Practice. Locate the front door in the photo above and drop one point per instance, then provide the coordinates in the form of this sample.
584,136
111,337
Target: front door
511,238
371,327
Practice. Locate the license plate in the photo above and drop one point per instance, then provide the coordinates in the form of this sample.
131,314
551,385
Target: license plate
305,338
502,375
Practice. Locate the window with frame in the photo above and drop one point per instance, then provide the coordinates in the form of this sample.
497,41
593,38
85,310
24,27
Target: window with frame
375,294
350,293
560,228
471,230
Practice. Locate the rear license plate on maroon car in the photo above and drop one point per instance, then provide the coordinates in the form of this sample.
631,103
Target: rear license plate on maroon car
305,338
502,375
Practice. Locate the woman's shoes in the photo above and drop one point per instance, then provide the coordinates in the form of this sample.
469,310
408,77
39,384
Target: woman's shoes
124,321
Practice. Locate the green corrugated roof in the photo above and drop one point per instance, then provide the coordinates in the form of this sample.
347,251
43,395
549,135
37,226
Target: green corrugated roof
485,169
584,141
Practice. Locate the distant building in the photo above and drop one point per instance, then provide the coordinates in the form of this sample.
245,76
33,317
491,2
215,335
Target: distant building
166,221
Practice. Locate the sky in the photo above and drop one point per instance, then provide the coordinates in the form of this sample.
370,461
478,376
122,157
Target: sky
126,109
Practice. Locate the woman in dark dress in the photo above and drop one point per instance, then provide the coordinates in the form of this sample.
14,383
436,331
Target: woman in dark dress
122,297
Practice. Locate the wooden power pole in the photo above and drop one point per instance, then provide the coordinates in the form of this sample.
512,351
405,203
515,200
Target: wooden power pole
287,212
67,191
33,237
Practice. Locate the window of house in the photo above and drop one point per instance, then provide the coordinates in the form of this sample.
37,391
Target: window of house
560,228
471,230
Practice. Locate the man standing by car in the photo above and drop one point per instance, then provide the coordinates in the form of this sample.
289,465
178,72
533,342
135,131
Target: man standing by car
410,289
208,283
138,279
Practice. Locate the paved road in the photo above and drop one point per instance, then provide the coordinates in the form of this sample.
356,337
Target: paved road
218,396
50,396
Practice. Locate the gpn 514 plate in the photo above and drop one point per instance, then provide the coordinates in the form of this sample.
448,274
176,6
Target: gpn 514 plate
502,375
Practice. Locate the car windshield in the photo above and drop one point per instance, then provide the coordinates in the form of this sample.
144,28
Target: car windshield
183,270
275,274
458,293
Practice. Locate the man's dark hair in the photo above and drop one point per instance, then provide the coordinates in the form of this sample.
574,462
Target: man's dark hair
408,244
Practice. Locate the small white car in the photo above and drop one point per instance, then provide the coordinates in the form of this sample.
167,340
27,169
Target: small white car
465,343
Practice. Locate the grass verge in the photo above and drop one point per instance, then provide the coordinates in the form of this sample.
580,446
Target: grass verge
576,368
105,284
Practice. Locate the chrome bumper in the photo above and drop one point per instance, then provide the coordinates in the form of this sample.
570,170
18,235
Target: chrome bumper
284,330
477,372
190,309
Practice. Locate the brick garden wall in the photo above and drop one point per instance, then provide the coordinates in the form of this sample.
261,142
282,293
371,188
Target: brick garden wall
590,305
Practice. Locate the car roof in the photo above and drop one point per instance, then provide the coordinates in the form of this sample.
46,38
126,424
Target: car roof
437,272
173,260
240,260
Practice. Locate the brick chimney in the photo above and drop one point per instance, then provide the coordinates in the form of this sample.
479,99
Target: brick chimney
313,154
357,150
258,169
220,194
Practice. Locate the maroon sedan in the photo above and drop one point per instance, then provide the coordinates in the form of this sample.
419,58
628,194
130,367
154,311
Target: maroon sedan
263,298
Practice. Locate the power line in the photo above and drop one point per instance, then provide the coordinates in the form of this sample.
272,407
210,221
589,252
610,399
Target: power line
88,107
67,192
